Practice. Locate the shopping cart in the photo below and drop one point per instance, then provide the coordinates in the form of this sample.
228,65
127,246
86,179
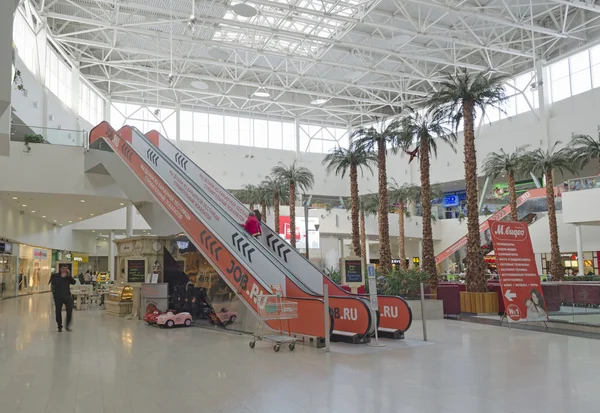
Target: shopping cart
275,307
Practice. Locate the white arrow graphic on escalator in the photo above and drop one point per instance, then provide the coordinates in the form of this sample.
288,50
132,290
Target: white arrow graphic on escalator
510,295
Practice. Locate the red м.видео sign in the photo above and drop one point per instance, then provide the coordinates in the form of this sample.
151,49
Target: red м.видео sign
519,278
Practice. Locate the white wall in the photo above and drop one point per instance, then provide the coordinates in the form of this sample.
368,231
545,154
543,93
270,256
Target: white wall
566,232
47,104
115,220
53,169
581,206
29,230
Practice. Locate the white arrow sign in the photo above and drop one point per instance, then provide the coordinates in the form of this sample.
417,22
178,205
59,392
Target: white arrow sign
510,295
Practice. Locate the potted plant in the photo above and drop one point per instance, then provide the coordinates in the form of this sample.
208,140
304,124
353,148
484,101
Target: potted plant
33,138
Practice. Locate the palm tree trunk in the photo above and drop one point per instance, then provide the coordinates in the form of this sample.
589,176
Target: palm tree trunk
428,254
556,269
401,240
355,207
293,214
263,211
385,251
276,212
512,192
476,281
363,239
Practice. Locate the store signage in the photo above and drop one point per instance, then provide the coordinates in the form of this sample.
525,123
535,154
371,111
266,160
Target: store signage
353,271
452,199
314,238
519,279
136,271
80,258
40,254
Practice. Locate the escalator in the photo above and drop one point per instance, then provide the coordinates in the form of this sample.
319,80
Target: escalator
529,205
394,312
239,259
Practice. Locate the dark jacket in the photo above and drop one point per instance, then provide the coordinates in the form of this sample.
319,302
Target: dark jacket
61,287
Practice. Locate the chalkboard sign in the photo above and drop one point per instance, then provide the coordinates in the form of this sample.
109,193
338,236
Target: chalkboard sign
136,271
353,270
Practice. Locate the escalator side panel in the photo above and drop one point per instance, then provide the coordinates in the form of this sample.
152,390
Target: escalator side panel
246,286
280,249
485,225
350,314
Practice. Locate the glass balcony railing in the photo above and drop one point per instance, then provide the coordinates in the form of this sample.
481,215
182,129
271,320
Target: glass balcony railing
580,184
54,136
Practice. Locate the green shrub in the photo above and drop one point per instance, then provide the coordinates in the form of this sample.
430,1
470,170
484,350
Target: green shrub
34,138
334,274
582,278
403,283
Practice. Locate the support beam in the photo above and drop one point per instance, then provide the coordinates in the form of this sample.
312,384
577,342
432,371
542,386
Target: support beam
111,255
536,181
483,192
580,262
177,124
129,210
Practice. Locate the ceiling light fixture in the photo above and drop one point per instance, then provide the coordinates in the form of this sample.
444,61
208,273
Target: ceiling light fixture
14,197
319,101
33,212
199,84
261,93
244,10
54,221
93,231
80,218
121,204
91,215
70,222
43,216
82,200
218,54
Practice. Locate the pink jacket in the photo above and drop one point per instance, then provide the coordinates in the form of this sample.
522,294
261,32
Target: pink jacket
252,225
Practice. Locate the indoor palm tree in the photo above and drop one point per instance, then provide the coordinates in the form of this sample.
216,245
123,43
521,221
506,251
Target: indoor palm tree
424,131
265,200
298,178
341,161
401,195
497,163
249,195
377,139
369,205
585,148
545,162
459,96
277,192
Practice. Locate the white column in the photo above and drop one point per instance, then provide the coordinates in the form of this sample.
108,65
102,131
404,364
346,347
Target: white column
178,124
420,254
129,221
41,41
75,85
6,47
579,250
111,254
297,131
341,247
107,104
483,192
543,89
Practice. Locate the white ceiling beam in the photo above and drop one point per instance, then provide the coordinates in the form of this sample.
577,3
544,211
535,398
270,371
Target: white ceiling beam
338,44
254,85
480,15
142,85
245,49
579,5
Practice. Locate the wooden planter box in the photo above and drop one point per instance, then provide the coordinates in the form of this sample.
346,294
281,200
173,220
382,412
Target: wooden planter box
479,303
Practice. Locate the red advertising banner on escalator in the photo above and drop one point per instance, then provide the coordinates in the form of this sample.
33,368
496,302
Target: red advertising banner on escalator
519,278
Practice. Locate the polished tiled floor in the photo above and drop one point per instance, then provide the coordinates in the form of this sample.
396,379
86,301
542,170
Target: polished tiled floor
112,365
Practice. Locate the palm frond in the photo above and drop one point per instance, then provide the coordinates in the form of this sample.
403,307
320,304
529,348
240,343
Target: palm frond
497,163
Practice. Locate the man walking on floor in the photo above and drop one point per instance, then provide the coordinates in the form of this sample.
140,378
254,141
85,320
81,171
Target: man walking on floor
61,288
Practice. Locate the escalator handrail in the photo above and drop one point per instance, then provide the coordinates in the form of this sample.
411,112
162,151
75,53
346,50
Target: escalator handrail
294,251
